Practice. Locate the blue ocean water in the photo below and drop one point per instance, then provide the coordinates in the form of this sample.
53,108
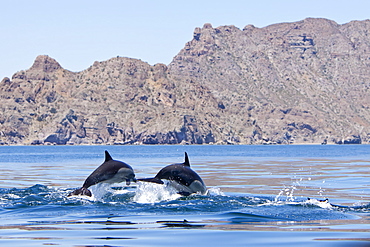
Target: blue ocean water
257,196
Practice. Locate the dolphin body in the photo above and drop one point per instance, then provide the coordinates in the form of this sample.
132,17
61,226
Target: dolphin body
181,177
111,171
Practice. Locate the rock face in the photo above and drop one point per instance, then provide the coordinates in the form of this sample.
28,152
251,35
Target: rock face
302,82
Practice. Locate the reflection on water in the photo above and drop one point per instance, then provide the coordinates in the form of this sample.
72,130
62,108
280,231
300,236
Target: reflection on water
257,195
295,179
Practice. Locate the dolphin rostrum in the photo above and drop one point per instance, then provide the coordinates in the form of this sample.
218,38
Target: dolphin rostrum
111,171
181,177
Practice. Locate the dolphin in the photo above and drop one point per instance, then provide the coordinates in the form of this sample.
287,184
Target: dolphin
111,171
181,177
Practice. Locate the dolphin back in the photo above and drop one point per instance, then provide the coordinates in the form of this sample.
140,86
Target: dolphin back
81,192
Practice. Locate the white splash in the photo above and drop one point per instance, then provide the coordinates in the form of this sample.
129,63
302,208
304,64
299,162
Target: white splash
81,198
152,193
320,203
289,193
100,190
214,191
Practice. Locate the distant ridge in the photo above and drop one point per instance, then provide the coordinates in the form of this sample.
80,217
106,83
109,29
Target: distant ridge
289,83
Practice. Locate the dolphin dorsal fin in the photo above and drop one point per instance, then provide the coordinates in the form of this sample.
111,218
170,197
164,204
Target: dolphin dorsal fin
186,163
107,156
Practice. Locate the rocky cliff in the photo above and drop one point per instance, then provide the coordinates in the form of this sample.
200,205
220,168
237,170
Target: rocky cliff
302,82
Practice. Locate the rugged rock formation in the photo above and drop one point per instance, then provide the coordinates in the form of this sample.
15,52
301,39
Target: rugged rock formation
303,82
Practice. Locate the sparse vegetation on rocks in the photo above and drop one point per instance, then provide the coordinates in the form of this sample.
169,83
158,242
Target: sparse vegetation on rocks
288,83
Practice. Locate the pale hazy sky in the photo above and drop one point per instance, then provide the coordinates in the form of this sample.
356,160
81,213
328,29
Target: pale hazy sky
77,33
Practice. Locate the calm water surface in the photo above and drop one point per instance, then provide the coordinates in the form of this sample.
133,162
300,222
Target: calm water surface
257,196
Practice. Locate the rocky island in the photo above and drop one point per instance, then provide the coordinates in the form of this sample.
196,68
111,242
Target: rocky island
289,83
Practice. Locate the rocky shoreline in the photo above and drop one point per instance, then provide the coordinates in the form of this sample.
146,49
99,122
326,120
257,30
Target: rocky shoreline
291,83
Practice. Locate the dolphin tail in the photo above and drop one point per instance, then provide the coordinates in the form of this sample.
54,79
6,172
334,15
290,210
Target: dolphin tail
81,192
151,180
